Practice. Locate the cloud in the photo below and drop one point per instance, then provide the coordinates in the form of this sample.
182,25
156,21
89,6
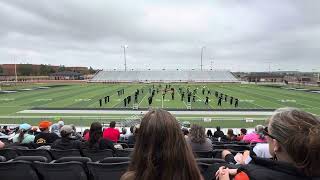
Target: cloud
239,35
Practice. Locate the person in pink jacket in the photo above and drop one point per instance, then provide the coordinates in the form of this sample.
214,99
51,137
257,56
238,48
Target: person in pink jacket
256,136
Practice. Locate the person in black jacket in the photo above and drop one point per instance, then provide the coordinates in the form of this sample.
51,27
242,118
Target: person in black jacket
293,137
66,142
218,133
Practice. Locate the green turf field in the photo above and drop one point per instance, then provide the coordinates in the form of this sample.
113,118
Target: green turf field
88,95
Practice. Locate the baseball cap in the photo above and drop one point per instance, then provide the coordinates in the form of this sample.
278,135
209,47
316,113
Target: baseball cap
61,123
45,124
67,129
25,126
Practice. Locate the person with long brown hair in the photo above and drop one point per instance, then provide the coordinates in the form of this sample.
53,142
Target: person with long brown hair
294,142
96,141
198,139
161,151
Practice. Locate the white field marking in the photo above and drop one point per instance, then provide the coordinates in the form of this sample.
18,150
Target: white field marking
269,97
288,88
246,100
26,89
77,100
43,87
249,102
122,112
166,100
204,101
9,91
7,99
301,89
287,100
183,101
142,99
43,100
315,91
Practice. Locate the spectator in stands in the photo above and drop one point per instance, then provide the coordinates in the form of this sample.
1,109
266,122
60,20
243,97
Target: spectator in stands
1,145
23,136
256,136
96,142
34,130
294,140
260,150
230,135
132,138
198,140
55,128
161,151
185,132
218,133
67,141
75,134
123,135
45,137
243,132
112,133
86,134
209,134
5,130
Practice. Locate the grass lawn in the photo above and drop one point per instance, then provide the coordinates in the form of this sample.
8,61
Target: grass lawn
88,95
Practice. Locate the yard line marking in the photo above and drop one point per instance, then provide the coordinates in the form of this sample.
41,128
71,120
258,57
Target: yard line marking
203,101
183,101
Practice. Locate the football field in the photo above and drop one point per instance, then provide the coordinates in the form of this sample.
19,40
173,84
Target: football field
16,99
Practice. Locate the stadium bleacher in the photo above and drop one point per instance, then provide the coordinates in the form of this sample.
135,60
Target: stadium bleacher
80,164
165,76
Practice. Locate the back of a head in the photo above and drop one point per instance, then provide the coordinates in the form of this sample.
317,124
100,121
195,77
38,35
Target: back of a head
298,132
95,133
230,132
185,131
66,131
243,131
197,134
259,129
161,151
218,128
112,124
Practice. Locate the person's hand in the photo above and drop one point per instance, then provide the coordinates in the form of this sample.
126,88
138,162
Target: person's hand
239,158
222,173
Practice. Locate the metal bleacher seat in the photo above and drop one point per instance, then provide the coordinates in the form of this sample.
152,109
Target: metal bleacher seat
35,152
110,171
124,152
61,171
8,153
56,154
210,160
97,155
82,160
2,159
31,158
17,170
237,147
203,154
115,160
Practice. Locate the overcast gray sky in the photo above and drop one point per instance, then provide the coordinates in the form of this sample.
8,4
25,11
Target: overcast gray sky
240,35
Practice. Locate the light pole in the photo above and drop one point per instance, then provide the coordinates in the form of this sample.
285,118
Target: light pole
202,48
212,64
124,55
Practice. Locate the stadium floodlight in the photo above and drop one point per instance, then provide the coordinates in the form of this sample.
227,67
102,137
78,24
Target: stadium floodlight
202,48
124,55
